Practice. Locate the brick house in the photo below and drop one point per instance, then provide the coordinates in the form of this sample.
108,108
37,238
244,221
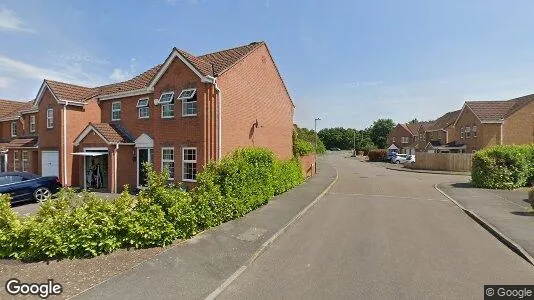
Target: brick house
441,136
18,136
179,115
486,123
405,137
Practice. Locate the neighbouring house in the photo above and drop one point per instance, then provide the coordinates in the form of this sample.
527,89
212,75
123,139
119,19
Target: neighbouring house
405,137
18,136
440,135
486,123
178,116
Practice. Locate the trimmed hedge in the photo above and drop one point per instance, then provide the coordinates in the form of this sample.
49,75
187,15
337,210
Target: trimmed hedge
84,225
378,155
503,167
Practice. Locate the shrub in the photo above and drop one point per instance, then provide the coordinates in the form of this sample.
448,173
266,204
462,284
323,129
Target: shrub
84,225
378,155
302,147
531,196
503,167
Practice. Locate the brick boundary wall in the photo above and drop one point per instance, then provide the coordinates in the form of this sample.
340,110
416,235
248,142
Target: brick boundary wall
307,164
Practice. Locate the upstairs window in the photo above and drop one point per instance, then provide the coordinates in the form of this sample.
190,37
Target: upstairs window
189,102
50,118
405,140
189,162
142,107
393,139
462,133
467,132
166,100
14,129
474,131
32,123
115,111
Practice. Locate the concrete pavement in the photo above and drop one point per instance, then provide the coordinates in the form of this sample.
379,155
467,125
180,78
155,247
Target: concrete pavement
507,213
381,234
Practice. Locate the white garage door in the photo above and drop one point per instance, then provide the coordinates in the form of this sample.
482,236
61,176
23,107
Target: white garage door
50,163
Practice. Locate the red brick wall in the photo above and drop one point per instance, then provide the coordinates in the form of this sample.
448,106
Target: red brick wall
307,163
518,128
252,90
398,132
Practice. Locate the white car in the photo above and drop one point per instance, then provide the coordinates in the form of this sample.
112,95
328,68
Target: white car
399,158
410,159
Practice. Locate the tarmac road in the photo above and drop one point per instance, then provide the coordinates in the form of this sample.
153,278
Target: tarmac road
381,234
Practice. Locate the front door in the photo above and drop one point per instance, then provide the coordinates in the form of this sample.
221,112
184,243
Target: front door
3,162
144,155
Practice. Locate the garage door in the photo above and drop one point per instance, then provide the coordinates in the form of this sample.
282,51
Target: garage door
50,163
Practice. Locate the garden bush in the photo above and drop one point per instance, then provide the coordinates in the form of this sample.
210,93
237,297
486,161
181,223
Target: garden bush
378,155
302,147
531,196
84,225
503,167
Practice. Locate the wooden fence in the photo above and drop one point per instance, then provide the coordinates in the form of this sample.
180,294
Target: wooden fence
457,162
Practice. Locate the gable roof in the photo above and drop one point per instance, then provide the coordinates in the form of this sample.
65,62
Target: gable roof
413,127
10,109
111,133
210,64
495,111
444,121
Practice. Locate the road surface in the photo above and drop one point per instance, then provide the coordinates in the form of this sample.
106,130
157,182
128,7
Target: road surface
381,234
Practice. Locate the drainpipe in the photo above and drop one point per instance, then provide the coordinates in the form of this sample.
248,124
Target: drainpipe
115,157
219,119
65,182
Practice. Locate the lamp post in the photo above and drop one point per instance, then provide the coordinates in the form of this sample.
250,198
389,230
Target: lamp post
316,137
354,144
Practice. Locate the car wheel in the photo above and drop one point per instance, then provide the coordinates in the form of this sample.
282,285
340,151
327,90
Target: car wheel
397,162
42,194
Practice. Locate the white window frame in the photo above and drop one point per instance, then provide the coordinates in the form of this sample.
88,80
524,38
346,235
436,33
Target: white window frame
32,124
25,161
114,110
188,100
143,107
405,140
462,133
474,131
467,132
184,162
14,129
393,139
50,118
163,161
15,160
185,97
169,104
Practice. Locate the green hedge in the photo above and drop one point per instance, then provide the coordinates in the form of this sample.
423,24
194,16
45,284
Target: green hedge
503,167
84,225
378,155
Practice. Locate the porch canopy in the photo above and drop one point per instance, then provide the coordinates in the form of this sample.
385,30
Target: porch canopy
89,153
393,147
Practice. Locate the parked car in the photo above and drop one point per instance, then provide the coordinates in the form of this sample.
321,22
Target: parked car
391,154
399,158
27,186
410,158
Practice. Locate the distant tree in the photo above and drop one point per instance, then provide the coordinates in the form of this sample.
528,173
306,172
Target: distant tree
303,137
414,121
379,132
345,138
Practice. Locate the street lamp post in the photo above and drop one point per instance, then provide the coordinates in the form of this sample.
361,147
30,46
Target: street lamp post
316,137
354,144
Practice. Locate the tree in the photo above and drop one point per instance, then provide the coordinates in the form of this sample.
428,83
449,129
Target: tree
303,138
343,138
414,121
379,132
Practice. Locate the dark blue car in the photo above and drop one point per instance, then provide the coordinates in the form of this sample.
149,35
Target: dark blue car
24,186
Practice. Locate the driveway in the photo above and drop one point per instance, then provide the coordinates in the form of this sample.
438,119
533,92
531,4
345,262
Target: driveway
381,234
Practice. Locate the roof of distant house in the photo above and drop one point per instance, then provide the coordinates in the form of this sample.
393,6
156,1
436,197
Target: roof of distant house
10,109
488,111
444,121
213,64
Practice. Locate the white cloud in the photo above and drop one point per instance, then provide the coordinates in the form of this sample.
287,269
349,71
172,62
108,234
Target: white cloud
5,82
9,21
119,74
21,69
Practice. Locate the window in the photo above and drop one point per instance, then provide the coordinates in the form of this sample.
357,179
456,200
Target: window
167,105
393,139
421,136
115,111
50,118
474,131
189,102
467,132
167,161
14,129
405,140
189,162
142,106
462,134
32,123
25,161
16,160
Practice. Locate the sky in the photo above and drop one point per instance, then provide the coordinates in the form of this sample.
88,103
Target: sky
347,62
